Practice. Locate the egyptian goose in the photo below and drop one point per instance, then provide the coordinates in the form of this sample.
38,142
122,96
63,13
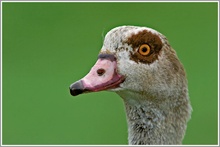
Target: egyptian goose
139,65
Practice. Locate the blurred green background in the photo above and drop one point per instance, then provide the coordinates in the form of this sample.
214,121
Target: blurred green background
48,46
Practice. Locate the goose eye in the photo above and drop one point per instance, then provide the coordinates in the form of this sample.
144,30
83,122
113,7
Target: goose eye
144,49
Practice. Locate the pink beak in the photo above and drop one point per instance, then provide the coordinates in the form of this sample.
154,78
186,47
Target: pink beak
102,76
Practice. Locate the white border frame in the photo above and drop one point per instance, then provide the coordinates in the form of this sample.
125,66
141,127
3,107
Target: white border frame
114,1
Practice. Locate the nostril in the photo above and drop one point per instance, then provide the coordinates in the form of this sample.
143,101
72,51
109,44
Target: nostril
100,71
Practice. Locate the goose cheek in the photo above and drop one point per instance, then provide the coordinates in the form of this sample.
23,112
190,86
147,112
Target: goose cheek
102,76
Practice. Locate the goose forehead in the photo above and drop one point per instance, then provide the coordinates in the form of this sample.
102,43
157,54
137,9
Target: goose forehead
118,36
127,31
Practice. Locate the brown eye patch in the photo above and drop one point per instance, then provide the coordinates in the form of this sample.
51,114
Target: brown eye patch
145,54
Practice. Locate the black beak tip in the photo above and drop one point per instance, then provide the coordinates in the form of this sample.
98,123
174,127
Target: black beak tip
75,92
76,88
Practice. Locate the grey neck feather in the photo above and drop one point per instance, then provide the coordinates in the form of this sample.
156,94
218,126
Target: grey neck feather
152,121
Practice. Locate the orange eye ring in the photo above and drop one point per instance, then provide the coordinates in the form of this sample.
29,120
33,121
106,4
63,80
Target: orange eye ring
144,49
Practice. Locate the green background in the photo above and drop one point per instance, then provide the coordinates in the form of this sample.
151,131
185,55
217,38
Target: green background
48,46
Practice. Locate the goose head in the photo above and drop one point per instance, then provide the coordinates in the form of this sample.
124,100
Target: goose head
139,64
